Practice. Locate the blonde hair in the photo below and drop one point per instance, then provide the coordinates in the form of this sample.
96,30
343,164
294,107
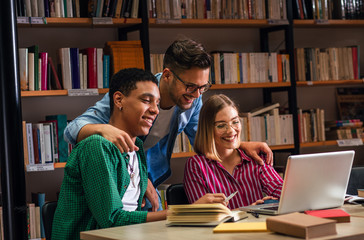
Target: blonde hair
204,141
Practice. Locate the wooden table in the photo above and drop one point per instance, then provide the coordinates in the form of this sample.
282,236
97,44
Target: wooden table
159,230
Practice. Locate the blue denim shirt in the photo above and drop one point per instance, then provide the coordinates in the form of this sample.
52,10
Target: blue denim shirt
158,157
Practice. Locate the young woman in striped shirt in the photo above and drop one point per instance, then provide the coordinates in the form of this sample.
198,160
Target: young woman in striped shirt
221,168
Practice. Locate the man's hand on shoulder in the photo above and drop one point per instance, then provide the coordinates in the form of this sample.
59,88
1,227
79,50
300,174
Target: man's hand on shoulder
253,149
118,137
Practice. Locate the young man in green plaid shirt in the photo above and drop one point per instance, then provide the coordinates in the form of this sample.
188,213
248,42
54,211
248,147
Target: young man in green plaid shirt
103,187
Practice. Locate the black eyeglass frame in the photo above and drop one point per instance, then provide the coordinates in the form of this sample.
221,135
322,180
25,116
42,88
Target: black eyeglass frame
191,88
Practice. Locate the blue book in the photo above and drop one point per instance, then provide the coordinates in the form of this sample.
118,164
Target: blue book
62,144
75,68
106,71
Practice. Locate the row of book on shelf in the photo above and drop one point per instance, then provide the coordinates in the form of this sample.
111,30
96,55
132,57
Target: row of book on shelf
231,68
217,9
43,142
322,64
327,9
266,124
79,8
77,68
35,223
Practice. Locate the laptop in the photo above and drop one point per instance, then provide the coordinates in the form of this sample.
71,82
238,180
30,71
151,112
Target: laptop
312,181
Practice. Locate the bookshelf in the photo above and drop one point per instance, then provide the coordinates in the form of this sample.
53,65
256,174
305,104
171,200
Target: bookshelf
240,35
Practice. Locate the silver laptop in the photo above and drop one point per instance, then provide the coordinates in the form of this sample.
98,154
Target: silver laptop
312,181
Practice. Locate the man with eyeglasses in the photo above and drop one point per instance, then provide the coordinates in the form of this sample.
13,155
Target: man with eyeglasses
185,77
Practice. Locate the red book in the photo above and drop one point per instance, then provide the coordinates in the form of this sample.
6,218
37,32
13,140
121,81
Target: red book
355,61
91,67
335,214
44,77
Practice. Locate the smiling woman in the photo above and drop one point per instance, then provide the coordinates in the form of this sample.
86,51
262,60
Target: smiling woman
221,168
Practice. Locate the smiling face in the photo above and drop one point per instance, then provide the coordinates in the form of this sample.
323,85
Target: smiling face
177,89
139,109
227,129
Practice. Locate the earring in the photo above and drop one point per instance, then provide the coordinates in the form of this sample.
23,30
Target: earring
120,108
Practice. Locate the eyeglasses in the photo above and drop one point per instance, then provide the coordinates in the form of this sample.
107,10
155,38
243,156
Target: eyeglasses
222,127
191,88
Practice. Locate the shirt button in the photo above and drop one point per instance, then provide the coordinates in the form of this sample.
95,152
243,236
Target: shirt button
127,156
125,186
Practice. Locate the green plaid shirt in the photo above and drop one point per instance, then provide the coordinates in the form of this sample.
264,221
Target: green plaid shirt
95,180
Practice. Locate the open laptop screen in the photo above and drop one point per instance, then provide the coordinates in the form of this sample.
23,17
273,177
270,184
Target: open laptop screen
313,181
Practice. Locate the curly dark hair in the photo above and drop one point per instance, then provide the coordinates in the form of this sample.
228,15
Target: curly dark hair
125,81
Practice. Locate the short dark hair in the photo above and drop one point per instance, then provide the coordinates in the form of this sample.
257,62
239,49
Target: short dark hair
125,81
183,54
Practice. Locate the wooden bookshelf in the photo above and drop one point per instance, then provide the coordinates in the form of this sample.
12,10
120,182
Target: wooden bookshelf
328,83
320,144
83,22
53,93
213,87
190,154
250,85
335,23
213,23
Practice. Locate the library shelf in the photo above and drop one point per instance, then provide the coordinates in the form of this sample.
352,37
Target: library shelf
106,90
251,85
190,154
213,23
335,23
319,144
84,22
328,83
53,93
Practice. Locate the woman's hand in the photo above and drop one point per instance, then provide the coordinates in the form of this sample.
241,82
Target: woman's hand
261,201
212,198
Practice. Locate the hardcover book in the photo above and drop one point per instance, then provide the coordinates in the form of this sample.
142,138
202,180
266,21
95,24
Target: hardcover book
335,214
202,215
301,225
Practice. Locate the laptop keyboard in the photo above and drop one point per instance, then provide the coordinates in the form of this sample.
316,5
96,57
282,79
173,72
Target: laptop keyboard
272,208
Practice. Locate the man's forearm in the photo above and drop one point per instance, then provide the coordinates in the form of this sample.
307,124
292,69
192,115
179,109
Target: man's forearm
88,130
156,216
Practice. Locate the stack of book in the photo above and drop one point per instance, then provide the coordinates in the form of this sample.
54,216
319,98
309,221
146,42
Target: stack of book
344,129
216,9
265,124
79,8
323,64
311,125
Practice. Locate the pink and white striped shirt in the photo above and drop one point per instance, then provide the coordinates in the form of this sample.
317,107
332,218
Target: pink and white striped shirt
203,175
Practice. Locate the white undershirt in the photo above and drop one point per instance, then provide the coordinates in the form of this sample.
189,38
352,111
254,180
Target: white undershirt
131,196
160,128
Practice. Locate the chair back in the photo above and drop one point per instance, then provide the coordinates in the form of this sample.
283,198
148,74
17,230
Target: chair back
48,210
356,180
176,194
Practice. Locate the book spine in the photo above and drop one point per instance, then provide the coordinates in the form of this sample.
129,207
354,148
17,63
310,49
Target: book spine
44,70
75,68
92,68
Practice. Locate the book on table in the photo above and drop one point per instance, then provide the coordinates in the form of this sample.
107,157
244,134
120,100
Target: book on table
202,215
335,214
301,225
231,227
